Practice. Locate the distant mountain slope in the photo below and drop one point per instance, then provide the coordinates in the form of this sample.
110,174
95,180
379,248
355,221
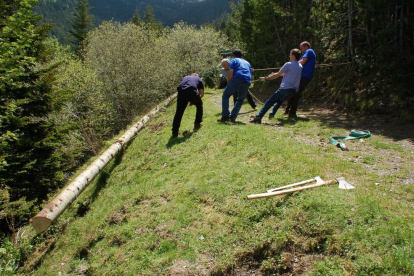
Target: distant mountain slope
168,12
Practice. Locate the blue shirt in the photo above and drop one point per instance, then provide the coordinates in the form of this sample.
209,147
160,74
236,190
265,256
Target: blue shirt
309,66
241,69
292,72
190,82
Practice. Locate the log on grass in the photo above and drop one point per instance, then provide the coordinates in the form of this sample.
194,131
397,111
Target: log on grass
61,202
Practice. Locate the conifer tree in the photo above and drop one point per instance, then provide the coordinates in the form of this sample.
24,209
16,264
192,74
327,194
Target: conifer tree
28,164
136,18
81,25
150,23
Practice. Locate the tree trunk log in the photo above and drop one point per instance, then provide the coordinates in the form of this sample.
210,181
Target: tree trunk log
60,203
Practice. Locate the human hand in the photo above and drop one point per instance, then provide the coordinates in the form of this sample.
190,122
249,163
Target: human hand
262,78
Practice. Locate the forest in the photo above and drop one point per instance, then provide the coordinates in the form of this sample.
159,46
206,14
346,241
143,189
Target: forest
60,106
166,11
375,37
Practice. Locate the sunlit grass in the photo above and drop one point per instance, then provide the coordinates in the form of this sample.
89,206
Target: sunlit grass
183,201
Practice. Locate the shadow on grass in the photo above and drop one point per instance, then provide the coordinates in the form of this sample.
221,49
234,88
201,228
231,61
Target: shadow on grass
44,243
178,140
291,121
102,179
83,207
285,122
231,123
378,124
248,112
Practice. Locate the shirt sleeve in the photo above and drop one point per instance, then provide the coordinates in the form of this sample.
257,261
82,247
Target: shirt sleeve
308,54
285,67
233,63
200,84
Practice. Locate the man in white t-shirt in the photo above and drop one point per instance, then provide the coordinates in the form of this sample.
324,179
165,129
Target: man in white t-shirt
291,72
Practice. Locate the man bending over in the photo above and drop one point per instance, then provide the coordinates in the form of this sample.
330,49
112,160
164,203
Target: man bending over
187,92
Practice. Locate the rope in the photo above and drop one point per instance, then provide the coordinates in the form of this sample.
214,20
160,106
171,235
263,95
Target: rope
255,98
317,66
344,81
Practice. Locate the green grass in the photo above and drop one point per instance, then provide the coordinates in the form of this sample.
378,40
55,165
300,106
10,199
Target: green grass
179,206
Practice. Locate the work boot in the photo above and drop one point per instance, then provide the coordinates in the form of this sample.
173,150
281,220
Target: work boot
197,126
271,116
256,120
224,119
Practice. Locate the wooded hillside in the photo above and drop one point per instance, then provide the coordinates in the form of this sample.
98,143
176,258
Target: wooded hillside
376,36
166,11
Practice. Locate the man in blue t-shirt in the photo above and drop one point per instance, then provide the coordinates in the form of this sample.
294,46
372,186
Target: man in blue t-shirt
187,92
225,64
291,72
239,79
308,61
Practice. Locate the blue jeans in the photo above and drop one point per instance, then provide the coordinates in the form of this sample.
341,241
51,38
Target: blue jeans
235,85
277,99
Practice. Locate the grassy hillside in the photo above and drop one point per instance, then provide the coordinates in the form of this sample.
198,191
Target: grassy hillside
179,207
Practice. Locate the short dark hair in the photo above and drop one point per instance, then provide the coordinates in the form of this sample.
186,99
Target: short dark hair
307,44
237,53
296,53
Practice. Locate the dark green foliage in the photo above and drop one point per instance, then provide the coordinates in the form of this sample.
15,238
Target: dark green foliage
150,23
381,32
209,76
81,25
166,11
28,163
59,13
136,18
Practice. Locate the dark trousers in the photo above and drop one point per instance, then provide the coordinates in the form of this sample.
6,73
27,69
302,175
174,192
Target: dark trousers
276,100
249,98
183,98
292,104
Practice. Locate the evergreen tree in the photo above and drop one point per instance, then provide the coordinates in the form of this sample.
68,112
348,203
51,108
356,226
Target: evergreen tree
150,23
136,18
81,25
28,163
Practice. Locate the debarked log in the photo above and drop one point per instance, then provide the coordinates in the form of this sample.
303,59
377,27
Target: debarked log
61,202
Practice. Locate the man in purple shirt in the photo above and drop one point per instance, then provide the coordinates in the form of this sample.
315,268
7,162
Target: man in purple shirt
187,92
308,61
291,72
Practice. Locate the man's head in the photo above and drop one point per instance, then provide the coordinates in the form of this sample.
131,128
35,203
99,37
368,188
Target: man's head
225,63
304,46
237,53
295,54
